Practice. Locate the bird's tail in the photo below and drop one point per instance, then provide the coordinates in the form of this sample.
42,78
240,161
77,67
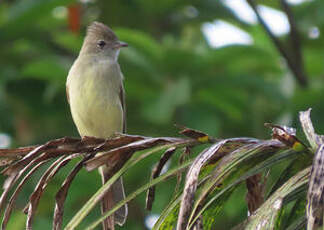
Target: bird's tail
113,196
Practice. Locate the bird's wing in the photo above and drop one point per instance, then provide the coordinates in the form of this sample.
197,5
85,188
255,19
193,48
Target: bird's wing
123,103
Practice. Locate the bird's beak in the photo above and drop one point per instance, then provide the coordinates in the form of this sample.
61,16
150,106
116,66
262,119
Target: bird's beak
120,44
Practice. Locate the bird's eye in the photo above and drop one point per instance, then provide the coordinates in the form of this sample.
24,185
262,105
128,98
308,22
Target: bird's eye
101,44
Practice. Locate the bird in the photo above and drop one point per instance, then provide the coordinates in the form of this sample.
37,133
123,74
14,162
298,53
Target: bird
96,96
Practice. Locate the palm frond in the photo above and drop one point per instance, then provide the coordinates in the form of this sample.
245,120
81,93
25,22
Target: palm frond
212,176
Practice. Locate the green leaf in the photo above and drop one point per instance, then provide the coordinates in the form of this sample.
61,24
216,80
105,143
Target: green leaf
215,208
299,224
139,191
230,165
297,212
68,41
141,41
169,215
243,175
313,139
84,211
175,94
266,216
40,69
296,165
26,13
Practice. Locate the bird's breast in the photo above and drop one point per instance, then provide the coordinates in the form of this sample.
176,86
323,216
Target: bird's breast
94,101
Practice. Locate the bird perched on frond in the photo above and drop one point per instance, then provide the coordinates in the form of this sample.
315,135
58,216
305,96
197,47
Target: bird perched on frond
96,96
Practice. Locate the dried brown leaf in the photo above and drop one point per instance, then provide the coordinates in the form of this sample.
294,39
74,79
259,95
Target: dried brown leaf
18,152
14,168
191,183
7,161
255,192
314,139
118,141
230,146
222,168
118,156
27,159
62,194
10,182
40,187
286,135
192,133
14,177
315,194
14,196
186,152
35,196
155,173
198,224
53,148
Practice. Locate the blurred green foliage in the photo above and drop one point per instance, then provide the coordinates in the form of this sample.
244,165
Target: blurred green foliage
172,75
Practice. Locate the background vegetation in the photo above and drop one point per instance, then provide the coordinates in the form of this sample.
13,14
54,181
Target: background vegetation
172,74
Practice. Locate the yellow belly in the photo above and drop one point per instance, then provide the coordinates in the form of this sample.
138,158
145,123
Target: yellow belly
99,121
95,104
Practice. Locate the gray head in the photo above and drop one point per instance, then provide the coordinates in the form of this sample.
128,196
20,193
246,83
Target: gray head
102,41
